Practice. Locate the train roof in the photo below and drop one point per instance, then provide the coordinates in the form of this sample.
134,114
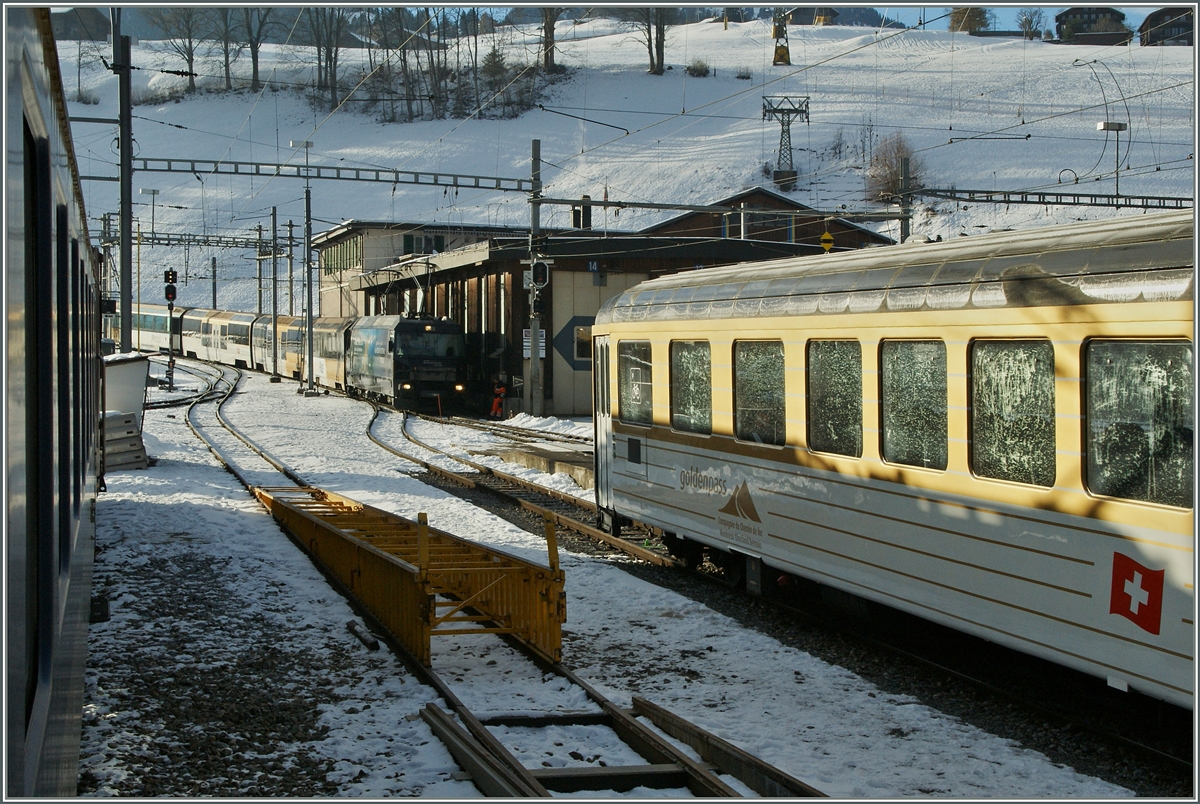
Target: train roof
1150,257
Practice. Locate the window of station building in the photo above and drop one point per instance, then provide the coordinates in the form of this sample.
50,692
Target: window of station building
913,396
1139,409
583,343
635,390
1012,411
691,386
835,397
759,402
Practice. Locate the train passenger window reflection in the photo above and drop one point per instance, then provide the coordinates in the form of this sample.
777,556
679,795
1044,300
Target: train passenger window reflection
913,396
759,403
835,397
1140,400
635,396
1012,411
691,386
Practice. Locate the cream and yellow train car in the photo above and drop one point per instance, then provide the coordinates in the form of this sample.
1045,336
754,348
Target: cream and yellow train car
994,432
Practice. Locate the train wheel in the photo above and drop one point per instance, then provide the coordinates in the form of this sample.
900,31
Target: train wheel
732,566
689,552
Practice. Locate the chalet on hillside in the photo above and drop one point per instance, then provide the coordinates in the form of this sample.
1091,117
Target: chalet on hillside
80,24
1168,26
1079,20
814,15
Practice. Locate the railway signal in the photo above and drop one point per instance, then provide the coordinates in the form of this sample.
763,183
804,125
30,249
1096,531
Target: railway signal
541,274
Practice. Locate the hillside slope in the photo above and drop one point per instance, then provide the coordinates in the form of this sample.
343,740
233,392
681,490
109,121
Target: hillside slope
978,113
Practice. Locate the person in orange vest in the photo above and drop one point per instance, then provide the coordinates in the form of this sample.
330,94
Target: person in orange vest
499,391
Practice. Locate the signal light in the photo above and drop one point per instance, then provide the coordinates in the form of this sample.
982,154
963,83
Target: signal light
541,274
169,292
170,277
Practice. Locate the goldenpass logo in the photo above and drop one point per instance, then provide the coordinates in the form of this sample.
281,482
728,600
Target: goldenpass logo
695,479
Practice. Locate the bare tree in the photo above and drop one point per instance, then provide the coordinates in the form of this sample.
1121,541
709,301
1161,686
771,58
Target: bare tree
885,172
326,25
1030,21
227,28
184,29
256,27
549,18
650,28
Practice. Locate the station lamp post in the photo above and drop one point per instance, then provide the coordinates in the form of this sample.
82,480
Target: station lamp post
1117,128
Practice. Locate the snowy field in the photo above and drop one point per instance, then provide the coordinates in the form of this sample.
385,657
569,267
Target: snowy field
979,113
190,518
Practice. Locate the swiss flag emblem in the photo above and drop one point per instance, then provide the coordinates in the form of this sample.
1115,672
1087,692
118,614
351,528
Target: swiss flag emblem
1137,593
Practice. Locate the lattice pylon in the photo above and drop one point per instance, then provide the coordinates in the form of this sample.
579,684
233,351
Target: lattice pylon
785,108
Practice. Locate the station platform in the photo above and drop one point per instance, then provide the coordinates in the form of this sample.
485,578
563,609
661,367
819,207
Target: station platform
577,464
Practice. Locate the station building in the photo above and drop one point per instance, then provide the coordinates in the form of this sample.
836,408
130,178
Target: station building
475,275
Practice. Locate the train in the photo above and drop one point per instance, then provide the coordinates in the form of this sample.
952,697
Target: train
992,432
53,405
409,361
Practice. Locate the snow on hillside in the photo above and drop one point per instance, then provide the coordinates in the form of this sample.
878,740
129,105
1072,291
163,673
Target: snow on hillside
980,113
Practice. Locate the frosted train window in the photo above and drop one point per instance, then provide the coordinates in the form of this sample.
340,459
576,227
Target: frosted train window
835,397
758,395
1012,411
914,402
691,386
1139,420
634,383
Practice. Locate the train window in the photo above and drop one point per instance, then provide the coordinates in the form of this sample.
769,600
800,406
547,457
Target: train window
1139,420
758,392
691,386
835,397
913,395
1012,411
634,383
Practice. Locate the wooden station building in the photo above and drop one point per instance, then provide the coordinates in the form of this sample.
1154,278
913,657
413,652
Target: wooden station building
475,276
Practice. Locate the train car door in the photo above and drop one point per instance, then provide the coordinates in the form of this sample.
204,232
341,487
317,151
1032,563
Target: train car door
602,416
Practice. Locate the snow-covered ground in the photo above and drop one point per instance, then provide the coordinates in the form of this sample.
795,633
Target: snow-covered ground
979,113
190,518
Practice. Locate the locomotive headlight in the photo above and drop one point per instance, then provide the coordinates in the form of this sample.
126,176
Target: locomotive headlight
407,386
429,327
458,387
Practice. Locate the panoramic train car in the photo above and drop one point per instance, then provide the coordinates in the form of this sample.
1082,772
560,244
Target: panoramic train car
994,433
406,361
52,423
153,328
262,343
193,328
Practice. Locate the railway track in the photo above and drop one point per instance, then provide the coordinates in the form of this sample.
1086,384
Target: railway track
610,749
567,510
521,435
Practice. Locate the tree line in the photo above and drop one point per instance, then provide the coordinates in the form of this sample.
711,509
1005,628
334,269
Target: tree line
420,62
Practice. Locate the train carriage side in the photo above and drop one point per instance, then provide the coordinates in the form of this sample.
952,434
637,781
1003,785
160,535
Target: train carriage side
195,332
370,367
331,339
994,433
154,328
52,437
265,332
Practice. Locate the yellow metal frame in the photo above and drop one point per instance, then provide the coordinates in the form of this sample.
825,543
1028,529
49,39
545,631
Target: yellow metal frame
419,582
